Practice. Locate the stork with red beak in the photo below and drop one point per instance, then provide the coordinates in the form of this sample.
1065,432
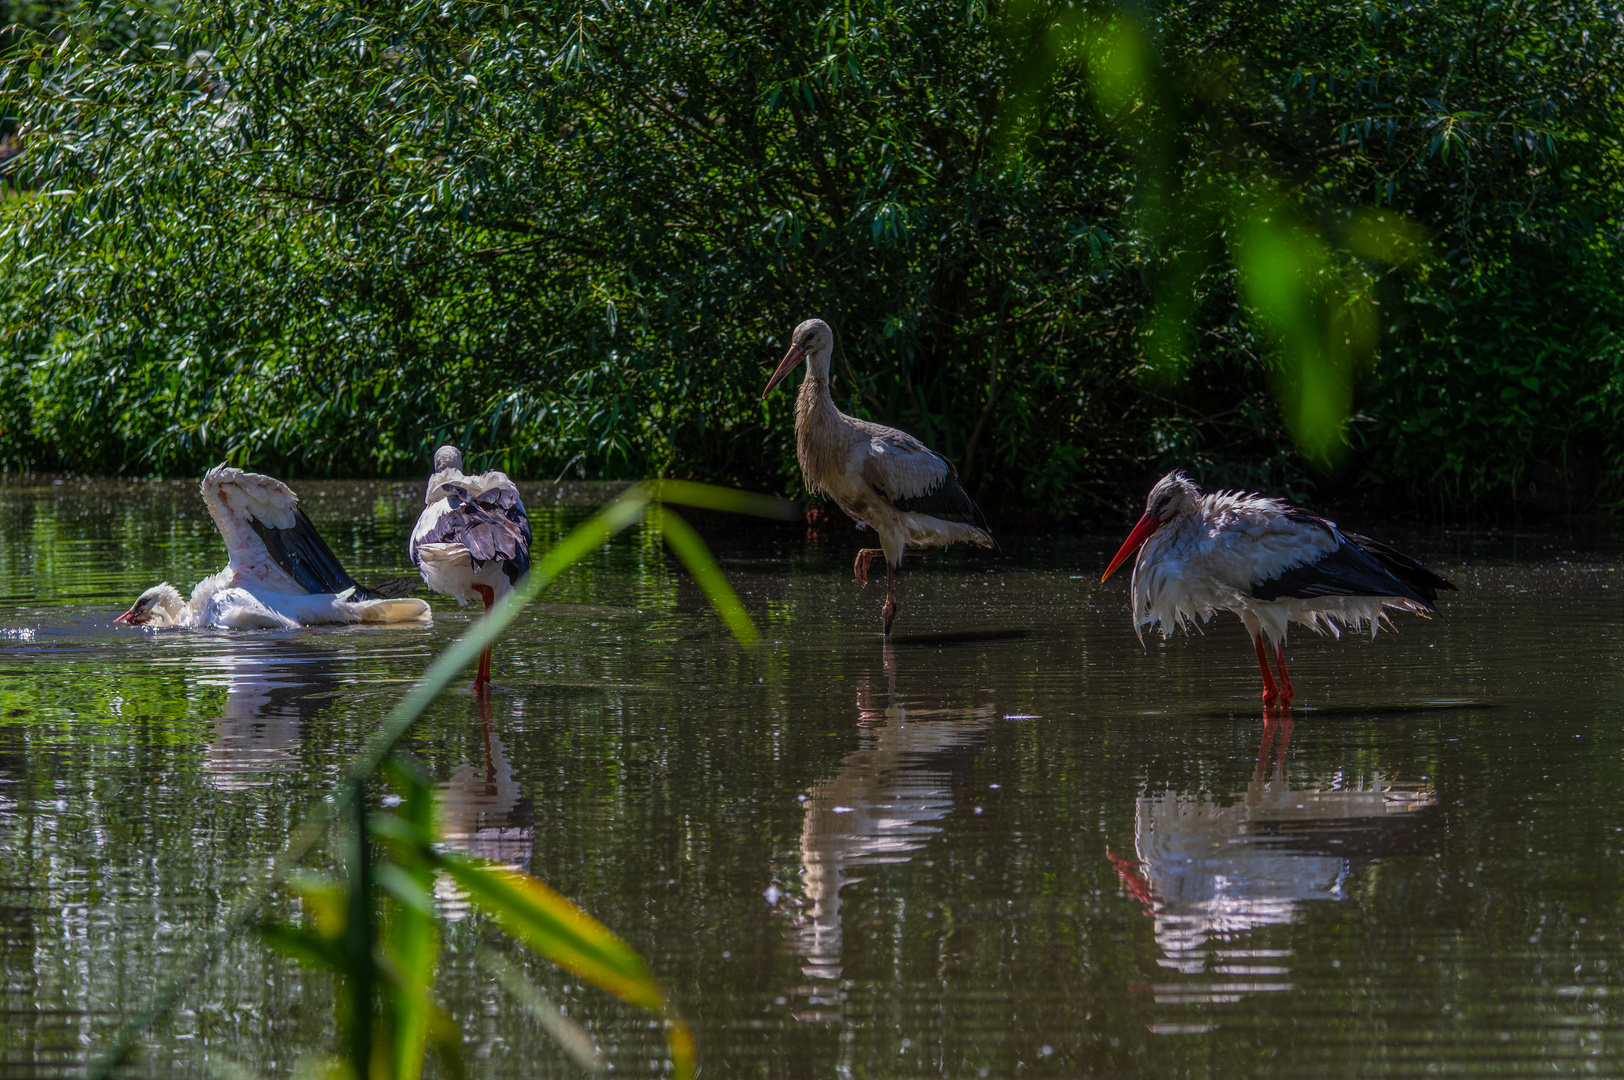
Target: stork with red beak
881,477
1267,561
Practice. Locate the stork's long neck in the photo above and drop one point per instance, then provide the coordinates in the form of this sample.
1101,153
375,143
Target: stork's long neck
814,398
817,421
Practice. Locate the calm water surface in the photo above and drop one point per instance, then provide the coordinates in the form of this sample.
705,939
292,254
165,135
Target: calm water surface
1013,842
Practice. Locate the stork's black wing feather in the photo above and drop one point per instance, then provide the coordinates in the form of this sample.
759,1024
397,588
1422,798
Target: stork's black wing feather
1402,566
304,555
389,589
1358,566
492,525
948,501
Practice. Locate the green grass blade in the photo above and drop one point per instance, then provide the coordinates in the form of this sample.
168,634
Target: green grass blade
359,934
574,1039
569,937
555,928
708,576
711,497
414,934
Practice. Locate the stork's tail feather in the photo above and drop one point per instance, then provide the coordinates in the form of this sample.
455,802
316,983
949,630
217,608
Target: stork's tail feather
391,589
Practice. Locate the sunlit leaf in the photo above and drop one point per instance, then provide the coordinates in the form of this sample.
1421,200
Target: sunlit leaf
304,945
557,929
1390,237
1284,276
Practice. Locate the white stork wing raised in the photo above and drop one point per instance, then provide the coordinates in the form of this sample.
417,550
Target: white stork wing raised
915,478
269,540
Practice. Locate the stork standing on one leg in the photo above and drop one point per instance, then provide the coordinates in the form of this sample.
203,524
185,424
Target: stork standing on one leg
884,478
1268,562
472,539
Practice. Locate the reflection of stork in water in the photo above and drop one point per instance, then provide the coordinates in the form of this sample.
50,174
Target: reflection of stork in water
481,811
879,808
273,686
1208,872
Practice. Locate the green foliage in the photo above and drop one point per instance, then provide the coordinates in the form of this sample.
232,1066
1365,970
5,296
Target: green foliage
584,231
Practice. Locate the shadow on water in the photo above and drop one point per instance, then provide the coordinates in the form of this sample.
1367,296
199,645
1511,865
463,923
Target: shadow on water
1375,708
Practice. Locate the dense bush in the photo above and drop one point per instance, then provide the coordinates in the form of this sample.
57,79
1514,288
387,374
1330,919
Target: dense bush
575,234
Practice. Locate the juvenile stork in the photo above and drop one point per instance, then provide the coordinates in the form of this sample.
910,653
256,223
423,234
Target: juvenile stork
472,539
279,572
1268,562
881,477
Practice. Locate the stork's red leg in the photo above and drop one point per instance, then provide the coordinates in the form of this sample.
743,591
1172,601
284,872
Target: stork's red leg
1271,694
1285,679
859,569
889,611
482,676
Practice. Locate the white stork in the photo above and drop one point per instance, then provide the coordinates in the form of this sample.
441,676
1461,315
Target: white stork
1268,562
472,539
881,477
279,572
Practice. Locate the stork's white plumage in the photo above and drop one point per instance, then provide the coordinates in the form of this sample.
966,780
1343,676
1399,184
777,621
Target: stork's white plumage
279,572
1267,561
886,479
472,539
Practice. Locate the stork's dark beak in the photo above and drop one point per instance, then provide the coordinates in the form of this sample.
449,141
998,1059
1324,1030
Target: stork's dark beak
785,366
1141,532
129,617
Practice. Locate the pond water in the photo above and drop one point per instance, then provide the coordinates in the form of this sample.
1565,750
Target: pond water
1012,842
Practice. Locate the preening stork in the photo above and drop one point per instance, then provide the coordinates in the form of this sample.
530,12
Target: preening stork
279,572
884,478
1268,562
472,539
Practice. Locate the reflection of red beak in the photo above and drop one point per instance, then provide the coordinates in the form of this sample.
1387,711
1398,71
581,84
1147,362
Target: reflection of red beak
785,366
128,617
1141,532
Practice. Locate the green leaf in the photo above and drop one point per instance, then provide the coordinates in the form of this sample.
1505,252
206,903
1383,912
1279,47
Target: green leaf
304,945
731,500
708,576
557,929
575,1040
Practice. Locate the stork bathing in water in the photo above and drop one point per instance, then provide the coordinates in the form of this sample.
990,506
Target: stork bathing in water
472,539
1268,562
279,572
885,479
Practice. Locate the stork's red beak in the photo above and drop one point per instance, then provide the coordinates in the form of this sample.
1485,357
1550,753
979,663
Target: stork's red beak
1141,532
785,366
128,617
